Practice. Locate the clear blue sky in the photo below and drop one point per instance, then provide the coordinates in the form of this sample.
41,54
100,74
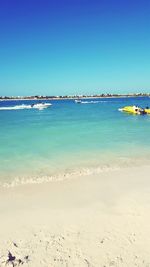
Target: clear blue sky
75,46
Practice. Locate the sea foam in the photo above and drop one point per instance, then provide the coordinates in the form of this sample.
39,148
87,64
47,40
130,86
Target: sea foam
20,181
16,107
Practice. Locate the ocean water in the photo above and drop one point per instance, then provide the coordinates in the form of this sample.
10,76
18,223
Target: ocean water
68,138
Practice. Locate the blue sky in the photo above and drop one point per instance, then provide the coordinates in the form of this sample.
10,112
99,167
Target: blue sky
77,46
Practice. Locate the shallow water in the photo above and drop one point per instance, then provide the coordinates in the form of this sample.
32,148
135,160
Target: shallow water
69,138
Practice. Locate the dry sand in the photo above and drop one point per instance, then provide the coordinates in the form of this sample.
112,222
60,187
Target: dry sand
101,220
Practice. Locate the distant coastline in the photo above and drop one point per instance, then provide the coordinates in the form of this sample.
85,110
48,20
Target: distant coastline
41,97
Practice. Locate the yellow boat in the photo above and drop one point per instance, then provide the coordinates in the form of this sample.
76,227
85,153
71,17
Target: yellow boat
135,110
147,110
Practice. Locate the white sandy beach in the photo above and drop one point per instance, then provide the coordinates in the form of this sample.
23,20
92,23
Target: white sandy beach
97,220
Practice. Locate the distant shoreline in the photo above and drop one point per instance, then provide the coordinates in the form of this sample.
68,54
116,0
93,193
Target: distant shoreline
3,98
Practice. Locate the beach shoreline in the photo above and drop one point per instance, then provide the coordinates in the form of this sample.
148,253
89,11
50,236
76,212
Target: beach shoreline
74,97
95,220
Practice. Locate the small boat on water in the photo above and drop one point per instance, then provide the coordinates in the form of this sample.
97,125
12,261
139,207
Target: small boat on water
41,106
135,110
78,101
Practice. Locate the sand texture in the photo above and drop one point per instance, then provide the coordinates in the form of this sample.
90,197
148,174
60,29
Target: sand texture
93,221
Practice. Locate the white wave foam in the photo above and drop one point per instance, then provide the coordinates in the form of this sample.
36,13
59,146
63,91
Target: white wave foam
16,107
94,102
121,163
18,181
23,106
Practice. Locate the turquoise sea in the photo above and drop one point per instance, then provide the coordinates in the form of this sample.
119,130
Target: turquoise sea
69,138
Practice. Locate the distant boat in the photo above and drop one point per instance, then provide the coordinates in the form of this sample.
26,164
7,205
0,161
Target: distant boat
41,106
78,101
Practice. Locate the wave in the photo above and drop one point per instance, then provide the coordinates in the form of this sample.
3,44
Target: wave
23,106
16,107
20,181
93,102
120,163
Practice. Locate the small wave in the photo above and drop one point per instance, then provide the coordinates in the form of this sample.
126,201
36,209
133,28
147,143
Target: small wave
93,102
16,107
68,174
18,181
23,106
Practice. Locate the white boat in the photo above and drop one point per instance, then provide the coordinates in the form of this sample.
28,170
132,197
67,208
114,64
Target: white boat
78,101
41,106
